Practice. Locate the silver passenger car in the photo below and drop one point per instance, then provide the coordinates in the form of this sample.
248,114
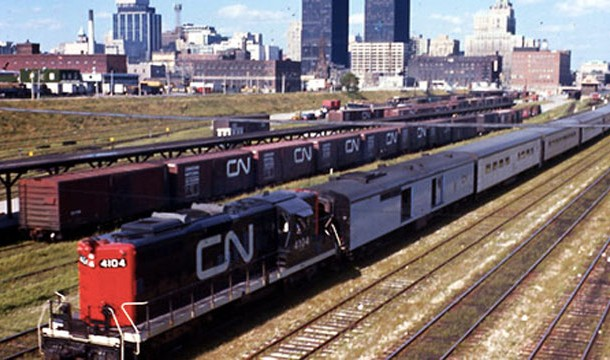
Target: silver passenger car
368,205
502,157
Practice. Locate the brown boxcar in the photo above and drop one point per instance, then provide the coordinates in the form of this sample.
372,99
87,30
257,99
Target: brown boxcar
67,202
337,151
282,161
380,143
439,135
211,175
462,133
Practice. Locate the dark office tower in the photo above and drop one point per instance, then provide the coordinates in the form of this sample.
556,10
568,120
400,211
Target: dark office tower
387,21
325,35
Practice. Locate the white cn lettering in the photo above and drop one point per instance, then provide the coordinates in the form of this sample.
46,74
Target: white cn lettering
302,155
230,238
352,146
236,167
391,138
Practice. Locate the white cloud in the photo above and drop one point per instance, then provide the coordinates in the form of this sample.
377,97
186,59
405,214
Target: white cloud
242,12
46,24
103,15
581,7
453,20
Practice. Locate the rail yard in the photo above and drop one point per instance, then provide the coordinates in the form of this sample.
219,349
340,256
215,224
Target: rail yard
464,267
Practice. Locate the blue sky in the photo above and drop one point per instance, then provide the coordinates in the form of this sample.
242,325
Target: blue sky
577,25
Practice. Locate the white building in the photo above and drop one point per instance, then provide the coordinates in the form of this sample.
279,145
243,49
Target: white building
293,37
372,61
442,46
420,46
495,33
597,69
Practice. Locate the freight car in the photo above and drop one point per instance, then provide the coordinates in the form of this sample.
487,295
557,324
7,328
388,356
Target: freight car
217,175
63,203
159,273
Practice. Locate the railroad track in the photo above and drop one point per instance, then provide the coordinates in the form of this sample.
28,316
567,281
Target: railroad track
441,336
576,328
319,333
19,345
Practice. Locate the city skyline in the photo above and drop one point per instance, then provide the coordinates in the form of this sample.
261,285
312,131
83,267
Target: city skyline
568,25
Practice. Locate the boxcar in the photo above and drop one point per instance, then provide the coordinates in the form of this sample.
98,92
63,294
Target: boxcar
380,143
282,161
439,135
337,151
466,132
67,202
210,175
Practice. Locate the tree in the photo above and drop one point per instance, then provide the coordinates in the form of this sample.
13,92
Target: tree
349,82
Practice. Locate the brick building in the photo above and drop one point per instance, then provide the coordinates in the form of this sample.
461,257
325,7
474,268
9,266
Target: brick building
85,63
456,70
242,75
541,70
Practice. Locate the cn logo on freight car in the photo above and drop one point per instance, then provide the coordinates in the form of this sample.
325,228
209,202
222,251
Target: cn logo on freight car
352,146
230,238
113,263
391,138
302,155
236,167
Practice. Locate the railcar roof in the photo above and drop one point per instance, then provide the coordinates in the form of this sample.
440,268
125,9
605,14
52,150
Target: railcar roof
588,116
486,147
360,185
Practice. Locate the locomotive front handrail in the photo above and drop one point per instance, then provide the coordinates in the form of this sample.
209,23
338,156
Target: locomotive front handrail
133,325
118,327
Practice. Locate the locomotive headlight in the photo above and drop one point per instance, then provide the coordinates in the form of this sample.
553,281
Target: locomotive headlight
91,264
91,256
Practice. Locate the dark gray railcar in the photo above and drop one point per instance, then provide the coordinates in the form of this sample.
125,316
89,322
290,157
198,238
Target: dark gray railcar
503,157
368,205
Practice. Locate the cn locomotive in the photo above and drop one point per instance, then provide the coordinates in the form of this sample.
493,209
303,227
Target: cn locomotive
160,272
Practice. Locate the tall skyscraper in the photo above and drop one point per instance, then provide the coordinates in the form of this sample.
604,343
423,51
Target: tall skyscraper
495,33
137,25
387,21
325,33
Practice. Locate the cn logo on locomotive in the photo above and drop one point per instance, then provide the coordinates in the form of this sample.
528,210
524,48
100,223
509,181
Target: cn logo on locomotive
230,238
302,155
236,167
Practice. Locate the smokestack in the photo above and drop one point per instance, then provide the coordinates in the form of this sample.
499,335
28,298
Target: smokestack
178,12
91,34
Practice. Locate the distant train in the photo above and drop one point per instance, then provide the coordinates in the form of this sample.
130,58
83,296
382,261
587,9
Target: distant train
158,273
52,206
408,110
